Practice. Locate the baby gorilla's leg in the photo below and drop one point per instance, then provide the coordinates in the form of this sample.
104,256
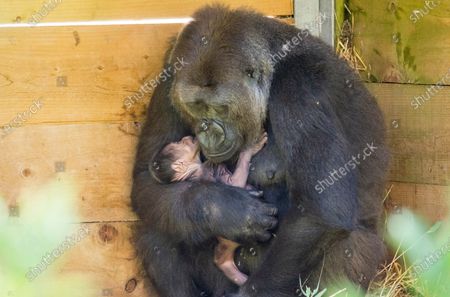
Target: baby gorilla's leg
224,259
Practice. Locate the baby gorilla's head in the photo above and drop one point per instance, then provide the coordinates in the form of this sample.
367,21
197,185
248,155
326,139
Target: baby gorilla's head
176,161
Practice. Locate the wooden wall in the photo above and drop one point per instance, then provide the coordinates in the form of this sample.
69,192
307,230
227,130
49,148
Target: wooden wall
82,75
406,48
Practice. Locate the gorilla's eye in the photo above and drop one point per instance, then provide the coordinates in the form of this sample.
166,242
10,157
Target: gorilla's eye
250,72
156,166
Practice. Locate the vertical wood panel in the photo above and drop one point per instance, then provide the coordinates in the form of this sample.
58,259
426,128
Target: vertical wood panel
403,41
317,17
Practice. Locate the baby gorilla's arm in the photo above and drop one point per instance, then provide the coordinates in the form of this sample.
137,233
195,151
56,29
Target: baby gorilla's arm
240,175
224,251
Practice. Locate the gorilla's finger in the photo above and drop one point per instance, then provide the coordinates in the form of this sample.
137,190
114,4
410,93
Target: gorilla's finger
256,193
270,210
270,222
263,236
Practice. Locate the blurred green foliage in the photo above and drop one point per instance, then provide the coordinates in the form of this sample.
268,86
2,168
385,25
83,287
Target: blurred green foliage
426,251
423,253
45,221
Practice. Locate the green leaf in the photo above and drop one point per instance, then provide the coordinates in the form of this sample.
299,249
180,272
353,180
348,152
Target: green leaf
321,293
435,227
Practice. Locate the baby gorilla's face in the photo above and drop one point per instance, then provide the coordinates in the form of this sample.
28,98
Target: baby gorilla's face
186,152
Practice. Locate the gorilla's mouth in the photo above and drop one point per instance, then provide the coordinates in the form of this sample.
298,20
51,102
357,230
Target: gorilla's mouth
219,155
219,141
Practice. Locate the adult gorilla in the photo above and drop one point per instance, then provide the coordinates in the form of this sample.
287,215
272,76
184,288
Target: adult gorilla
323,168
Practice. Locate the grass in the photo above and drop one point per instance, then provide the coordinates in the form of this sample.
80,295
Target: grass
345,48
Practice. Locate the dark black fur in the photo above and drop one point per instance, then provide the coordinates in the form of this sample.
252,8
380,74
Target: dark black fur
318,116
161,166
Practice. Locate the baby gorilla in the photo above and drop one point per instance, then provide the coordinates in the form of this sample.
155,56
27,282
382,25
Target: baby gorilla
179,161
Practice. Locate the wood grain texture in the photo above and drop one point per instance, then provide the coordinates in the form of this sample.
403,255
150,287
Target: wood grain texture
108,259
89,10
403,41
429,201
98,158
419,138
81,74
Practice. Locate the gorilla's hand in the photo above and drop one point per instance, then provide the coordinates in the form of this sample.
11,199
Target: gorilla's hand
241,217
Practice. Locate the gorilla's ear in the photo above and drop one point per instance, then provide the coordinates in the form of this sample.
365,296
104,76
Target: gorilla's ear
168,57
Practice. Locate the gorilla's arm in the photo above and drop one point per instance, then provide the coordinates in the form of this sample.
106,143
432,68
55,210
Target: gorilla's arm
190,211
313,144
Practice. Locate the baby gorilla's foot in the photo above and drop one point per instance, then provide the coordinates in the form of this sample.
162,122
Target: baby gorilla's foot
224,259
232,272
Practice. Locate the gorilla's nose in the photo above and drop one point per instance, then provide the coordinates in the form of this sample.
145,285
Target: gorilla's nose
204,125
211,135
270,174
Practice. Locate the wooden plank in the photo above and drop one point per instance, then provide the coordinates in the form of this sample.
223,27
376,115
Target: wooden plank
107,258
89,10
429,201
403,41
316,16
98,158
81,74
419,138
306,14
327,8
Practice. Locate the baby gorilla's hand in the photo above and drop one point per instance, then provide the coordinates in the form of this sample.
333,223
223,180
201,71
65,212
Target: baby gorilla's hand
259,144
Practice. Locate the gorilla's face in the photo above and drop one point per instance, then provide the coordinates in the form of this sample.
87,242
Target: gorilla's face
223,87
